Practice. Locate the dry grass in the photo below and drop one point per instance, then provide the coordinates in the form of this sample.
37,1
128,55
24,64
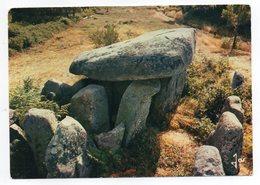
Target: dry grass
172,144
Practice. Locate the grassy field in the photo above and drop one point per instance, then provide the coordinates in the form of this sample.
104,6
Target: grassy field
51,60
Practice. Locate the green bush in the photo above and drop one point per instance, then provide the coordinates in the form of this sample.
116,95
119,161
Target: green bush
22,36
106,36
28,96
203,127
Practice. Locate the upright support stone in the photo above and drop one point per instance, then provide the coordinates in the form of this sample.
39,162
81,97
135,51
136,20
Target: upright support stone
135,105
167,99
90,107
233,104
39,126
208,162
66,152
228,138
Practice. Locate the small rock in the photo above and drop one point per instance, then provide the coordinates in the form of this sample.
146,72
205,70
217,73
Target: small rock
238,80
111,140
233,104
65,155
13,118
90,107
39,126
22,164
134,106
228,138
208,162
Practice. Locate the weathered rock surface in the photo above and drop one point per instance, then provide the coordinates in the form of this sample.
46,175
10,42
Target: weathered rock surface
238,80
13,118
228,138
165,101
90,107
208,162
65,154
22,162
111,140
157,54
58,91
233,104
135,105
39,126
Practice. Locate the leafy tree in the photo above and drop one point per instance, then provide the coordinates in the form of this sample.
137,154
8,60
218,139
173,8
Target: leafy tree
236,15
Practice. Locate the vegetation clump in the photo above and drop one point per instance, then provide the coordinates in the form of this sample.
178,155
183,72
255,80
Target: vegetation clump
28,96
106,36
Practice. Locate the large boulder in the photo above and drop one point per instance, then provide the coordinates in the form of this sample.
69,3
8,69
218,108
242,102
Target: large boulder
233,104
153,55
208,162
228,138
111,140
238,80
65,154
22,164
90,107
134,107
39,126
57,91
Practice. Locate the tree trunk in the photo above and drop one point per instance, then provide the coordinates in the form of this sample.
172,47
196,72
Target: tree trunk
234,42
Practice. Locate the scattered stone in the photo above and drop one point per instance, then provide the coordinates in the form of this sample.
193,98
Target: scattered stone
57,91
13,118
111,140
233,104
228,138
135,105
39,126
238,80
157,54
90,107
208,162
65,155
22,164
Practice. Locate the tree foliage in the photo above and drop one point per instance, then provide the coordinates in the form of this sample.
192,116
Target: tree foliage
236,16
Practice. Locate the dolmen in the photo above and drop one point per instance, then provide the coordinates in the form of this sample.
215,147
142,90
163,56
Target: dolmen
128,85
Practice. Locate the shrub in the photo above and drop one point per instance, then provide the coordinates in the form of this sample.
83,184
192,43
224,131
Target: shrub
226,43
106,36
65,21
203,127
208,82
28,96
